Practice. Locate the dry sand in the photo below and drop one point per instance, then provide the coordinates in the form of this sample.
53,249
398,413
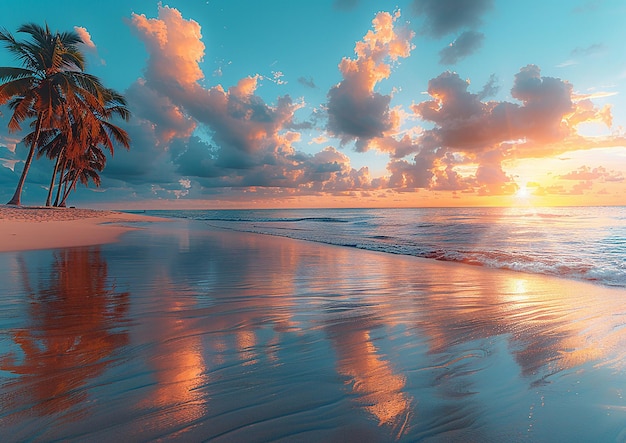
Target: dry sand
26,228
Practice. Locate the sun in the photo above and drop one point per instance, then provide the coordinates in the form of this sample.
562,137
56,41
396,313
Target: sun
522,193
523,197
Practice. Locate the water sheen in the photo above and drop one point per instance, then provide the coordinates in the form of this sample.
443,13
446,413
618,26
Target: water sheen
188,334
578,243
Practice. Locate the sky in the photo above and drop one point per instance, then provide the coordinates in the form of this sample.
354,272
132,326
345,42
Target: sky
347,103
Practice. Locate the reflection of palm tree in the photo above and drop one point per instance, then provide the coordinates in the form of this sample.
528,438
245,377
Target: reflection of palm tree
70,338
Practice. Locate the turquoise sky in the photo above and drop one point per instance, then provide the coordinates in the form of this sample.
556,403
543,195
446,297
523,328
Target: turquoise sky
307,128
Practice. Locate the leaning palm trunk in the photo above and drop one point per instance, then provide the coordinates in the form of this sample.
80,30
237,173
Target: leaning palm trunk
17,196
60,185
54,174
69,189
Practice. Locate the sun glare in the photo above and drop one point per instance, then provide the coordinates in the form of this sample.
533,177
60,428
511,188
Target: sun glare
522,193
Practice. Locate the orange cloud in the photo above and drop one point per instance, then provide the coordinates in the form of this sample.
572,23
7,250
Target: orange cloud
543,123
588,174
355,111
85,37
174,44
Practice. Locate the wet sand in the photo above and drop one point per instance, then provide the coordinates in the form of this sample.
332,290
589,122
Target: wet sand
186,333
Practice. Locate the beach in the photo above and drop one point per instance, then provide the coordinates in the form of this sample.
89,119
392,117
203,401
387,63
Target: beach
26,228
185,332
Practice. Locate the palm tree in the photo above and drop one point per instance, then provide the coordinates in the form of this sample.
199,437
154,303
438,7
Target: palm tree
83,168
49,85
90,129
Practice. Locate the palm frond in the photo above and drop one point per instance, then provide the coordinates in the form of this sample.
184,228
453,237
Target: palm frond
17,87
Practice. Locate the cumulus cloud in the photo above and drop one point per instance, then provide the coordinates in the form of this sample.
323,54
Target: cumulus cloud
326,171
467,43
175,48
356,112
192,139
246,129
468,130
88,45
249,143
169,120
85,37
460,17
443,17
547,112
240,120
415,175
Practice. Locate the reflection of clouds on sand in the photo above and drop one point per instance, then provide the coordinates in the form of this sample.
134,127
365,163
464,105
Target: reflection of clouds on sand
379,389
175,361
349,313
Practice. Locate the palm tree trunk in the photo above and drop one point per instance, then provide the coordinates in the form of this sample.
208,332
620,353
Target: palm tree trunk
71,188
54,174
17,196
56,200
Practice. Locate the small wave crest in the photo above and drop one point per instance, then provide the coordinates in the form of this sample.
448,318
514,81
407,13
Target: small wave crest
521,262
272,220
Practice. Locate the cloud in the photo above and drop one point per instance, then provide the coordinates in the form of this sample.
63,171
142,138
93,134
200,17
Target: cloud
356,112
326,171
240,120
585,173
89,46
491,178
308,82
193,139
467,43
443,17
86,38
175,47
490,89
547,112
407,175
169,120
468,130
594,49
147,162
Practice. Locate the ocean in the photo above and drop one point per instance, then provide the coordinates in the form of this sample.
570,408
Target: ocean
196,329
580,243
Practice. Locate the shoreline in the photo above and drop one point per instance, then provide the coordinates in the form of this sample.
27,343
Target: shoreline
24,228
184,313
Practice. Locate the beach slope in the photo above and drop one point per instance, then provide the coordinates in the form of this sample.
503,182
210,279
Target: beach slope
27,228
